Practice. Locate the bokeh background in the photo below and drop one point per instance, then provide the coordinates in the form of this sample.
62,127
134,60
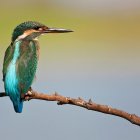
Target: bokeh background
100,60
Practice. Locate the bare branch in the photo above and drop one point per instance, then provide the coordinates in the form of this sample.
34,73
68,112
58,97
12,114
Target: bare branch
90,105
2,94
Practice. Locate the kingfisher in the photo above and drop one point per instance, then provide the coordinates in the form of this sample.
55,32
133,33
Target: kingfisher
21,59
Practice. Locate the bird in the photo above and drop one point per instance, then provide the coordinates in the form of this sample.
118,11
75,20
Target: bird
21,60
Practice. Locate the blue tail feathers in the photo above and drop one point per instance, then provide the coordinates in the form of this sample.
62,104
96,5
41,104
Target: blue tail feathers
18,106
11,81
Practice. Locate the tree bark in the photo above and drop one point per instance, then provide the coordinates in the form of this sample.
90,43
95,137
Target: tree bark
90,105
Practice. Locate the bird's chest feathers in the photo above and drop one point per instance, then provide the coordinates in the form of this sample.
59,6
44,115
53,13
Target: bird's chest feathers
25,52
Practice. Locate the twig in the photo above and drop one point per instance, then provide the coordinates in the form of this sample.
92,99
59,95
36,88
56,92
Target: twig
90,105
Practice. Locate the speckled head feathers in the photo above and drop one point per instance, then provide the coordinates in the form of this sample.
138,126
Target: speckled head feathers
32,29
21,28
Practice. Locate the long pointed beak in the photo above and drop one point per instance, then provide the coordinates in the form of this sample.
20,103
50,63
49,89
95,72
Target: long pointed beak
56,30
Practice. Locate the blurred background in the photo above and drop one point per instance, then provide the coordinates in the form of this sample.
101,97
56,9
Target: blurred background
100,60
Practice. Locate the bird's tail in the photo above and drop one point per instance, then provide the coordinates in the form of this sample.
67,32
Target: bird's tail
18,105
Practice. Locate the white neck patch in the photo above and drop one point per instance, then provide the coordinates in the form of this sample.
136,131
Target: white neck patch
25,34
22,36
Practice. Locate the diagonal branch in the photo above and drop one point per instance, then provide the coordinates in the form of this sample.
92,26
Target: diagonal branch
61,100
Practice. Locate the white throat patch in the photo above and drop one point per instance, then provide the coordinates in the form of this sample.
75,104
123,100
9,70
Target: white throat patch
25,34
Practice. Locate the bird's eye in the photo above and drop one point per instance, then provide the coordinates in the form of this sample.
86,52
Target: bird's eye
40,29
36,28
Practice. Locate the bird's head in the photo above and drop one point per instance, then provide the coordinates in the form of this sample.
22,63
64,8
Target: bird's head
31,30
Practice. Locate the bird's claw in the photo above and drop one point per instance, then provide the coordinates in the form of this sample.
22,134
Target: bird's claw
29,93
28,96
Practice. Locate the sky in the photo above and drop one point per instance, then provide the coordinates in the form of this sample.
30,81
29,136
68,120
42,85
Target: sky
99,60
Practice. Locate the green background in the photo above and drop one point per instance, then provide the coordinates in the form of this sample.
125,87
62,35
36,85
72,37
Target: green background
99,60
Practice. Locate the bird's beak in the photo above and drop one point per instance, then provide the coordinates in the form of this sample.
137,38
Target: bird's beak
56,30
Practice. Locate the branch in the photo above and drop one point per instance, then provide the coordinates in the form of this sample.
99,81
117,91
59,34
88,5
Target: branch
61,100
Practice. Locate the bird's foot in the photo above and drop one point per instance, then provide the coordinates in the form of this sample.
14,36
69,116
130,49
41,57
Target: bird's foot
28,95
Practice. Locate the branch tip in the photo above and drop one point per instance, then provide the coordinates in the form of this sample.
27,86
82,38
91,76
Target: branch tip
90,101
90,105
56,94
79,98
